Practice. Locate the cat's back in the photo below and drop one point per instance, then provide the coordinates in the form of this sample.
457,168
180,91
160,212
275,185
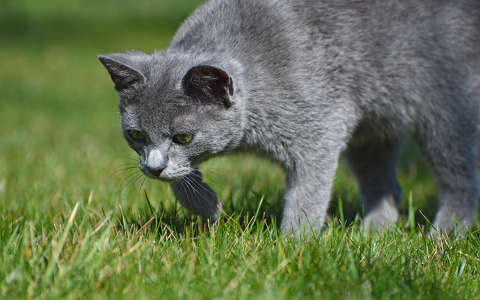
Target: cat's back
247,16
235,24
368,40
261,25
388,54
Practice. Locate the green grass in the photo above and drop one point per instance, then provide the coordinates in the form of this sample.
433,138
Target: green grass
76,223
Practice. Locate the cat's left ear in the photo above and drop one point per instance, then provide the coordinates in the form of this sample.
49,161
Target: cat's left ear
122,71
209,84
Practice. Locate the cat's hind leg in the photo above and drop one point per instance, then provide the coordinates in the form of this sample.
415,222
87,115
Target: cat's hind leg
450,148
374,166
196,196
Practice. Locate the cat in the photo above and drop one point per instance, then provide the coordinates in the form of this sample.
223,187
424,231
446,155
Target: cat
300,81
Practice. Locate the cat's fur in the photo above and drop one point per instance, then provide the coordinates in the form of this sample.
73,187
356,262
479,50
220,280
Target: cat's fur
301,80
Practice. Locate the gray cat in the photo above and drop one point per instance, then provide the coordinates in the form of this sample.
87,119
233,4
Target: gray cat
301,80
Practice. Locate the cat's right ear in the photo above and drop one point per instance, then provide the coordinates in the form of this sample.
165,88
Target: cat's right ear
209,84
123,75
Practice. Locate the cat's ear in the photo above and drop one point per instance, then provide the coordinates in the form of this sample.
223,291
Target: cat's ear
209,84
123,74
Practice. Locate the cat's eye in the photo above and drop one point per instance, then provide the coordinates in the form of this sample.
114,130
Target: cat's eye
137,135
183,139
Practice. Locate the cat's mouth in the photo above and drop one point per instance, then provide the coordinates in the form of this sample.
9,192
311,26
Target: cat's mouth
161,178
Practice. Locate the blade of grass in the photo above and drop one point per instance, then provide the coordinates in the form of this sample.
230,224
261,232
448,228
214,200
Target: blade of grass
57,250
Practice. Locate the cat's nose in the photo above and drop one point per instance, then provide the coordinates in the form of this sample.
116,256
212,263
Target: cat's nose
156,163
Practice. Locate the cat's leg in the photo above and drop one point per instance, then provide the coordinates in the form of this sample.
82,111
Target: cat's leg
374,166
197,196
451,150
308,191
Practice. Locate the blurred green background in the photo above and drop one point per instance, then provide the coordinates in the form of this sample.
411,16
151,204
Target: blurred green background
60,133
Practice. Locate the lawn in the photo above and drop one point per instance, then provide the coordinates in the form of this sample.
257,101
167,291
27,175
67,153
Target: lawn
77,221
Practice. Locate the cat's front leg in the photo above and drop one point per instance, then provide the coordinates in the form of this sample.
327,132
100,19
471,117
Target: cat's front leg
196,196
308,192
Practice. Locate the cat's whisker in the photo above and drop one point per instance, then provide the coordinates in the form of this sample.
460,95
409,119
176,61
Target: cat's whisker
190,191
125,167
193,186
124,170
132,179
138,180
143,183
121,170
128,174
196,175
129,180
198,190
185,190
200,186
200,181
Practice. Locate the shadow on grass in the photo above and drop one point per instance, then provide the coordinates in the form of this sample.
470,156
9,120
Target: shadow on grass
265,216
159,221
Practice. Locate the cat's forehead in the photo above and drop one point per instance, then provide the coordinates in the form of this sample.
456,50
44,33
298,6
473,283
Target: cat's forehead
158,92
166,71
161,108
162,117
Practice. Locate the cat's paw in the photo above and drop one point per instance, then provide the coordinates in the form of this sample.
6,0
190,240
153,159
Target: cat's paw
382,217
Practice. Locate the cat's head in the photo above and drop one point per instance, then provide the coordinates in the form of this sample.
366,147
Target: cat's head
175,111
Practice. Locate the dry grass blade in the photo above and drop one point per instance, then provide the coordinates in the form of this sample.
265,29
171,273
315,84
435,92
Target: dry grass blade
57,250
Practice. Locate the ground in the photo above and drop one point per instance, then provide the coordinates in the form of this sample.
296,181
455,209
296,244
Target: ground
77,219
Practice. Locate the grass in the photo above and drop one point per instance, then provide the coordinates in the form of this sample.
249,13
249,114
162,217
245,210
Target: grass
75,222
